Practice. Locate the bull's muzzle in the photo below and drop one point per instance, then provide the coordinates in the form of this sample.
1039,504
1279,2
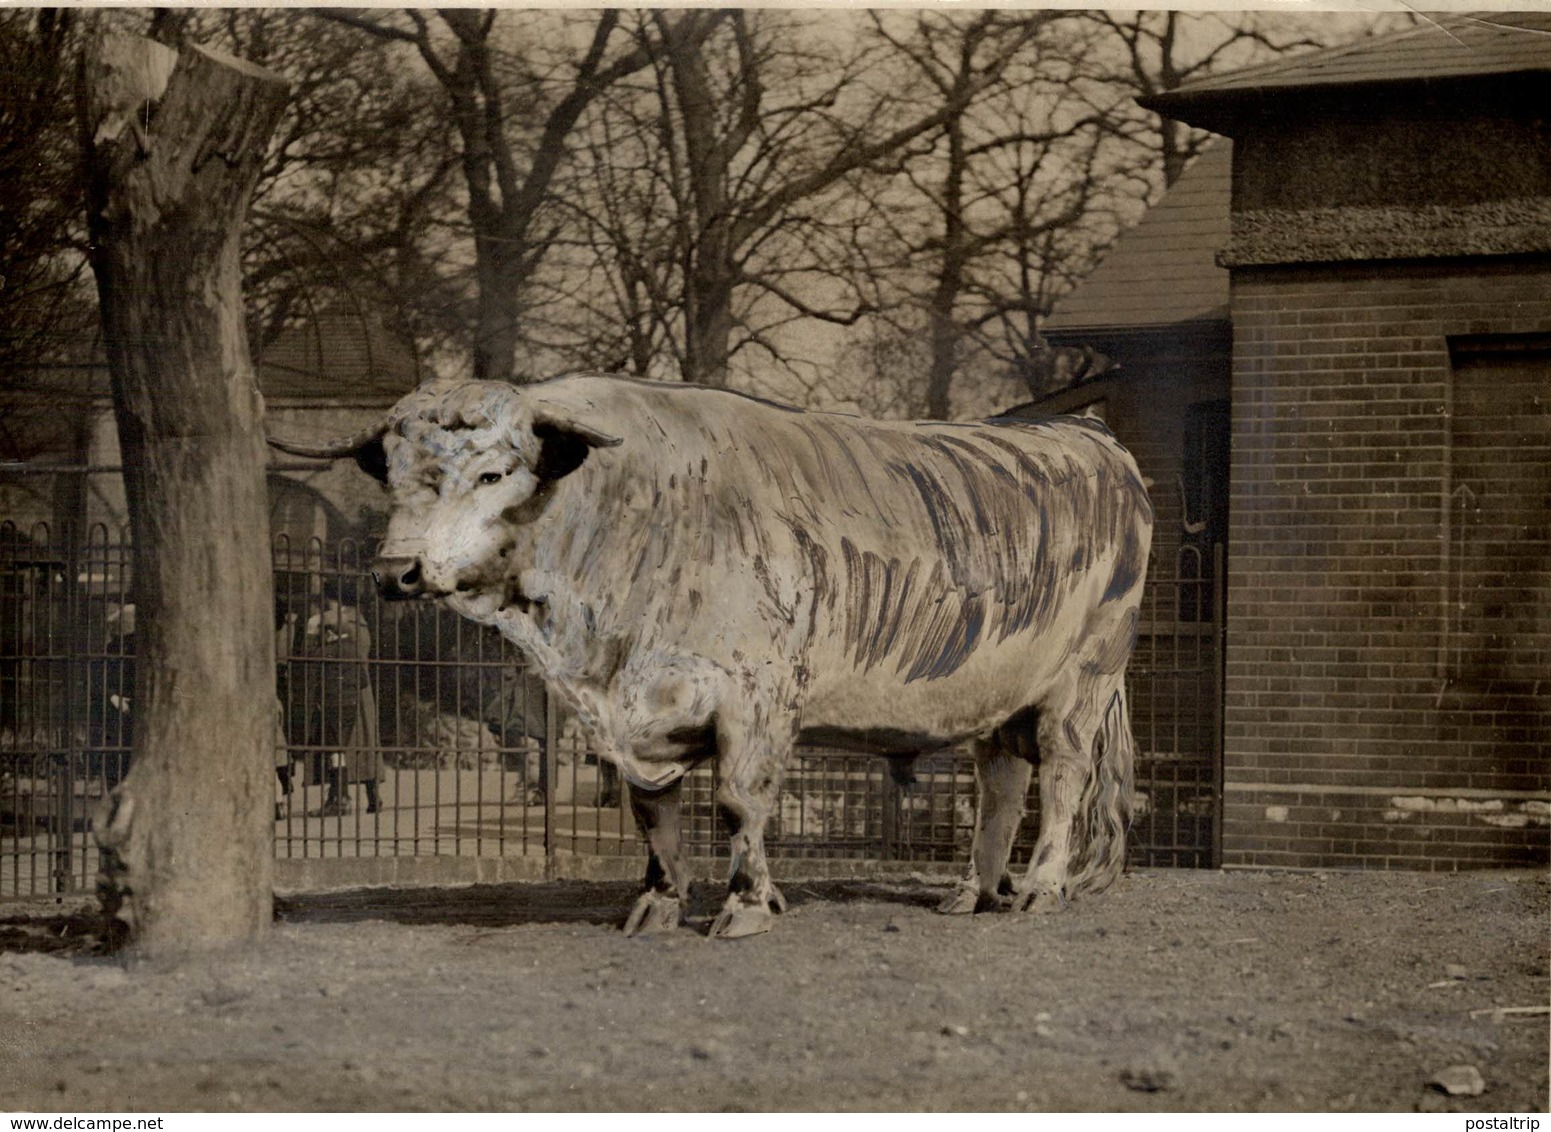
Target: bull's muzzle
399,579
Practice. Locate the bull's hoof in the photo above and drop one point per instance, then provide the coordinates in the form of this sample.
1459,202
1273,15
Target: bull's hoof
654,912
961,901
1039,900
966,898
737,919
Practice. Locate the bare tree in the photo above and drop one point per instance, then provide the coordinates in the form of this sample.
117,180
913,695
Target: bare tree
1029,186
352,209
991,196
355,207
1012,202
44,302
494,94
612,288
768,135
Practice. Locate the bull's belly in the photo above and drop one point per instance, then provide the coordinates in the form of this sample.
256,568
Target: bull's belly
877,711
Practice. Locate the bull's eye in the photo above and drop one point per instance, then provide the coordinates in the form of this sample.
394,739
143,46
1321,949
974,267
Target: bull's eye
492,477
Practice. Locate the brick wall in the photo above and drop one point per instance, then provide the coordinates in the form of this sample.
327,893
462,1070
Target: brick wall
1347,741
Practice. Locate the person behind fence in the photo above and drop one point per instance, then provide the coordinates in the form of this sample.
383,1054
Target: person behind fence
110,699
333,711
285,641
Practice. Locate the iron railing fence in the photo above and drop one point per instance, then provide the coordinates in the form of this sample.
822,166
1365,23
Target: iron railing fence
403,730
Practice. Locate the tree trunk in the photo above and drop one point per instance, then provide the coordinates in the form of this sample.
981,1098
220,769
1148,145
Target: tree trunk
946,333
173,144
710,271
498,318
708,332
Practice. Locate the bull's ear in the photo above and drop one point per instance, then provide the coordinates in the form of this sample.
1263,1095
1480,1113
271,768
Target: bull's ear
372,458
564,445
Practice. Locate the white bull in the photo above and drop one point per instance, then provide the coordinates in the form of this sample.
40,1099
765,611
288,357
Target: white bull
704,575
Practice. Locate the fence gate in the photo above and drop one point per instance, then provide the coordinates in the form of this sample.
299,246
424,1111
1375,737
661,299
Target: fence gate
402,730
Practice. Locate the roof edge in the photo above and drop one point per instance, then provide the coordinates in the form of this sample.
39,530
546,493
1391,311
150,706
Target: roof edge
1169,103
1189,327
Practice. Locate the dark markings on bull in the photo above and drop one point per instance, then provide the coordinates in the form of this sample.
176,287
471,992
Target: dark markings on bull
1117,647
532,507
777,603
693,743
903,608
372,458
1002,592
1128,567
955,634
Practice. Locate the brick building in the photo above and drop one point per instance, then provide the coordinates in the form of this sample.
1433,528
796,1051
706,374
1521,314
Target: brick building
1388,664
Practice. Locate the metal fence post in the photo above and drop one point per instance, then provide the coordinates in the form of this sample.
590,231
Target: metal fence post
70,636
1220,690
891,803
550,777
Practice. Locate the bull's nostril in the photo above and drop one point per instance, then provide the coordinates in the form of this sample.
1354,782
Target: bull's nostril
465,587
399,577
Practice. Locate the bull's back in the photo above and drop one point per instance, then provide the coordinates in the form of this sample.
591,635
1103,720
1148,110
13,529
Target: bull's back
928,557
1004,547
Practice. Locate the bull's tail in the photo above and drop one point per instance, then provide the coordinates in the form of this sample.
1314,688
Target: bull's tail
1104,811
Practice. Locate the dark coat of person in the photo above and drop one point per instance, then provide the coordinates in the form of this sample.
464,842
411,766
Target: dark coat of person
331,707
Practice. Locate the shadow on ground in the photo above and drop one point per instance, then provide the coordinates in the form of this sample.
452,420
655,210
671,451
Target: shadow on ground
78,933
582,902
484,905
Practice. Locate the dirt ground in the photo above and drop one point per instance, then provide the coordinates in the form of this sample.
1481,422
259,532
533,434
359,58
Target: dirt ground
1175,991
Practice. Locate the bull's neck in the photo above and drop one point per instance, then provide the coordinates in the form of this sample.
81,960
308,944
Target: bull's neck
567,636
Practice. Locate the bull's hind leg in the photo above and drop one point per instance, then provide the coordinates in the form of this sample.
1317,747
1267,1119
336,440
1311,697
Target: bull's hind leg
1065,740
1084,787
752,760
1001,780
661,906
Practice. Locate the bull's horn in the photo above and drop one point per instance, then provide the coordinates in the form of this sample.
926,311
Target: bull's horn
331,449
548,419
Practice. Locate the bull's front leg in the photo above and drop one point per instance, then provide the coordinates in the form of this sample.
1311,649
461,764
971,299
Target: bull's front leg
661,906
752,760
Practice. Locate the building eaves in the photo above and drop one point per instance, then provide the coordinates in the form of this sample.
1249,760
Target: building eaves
1163,271
1447,46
